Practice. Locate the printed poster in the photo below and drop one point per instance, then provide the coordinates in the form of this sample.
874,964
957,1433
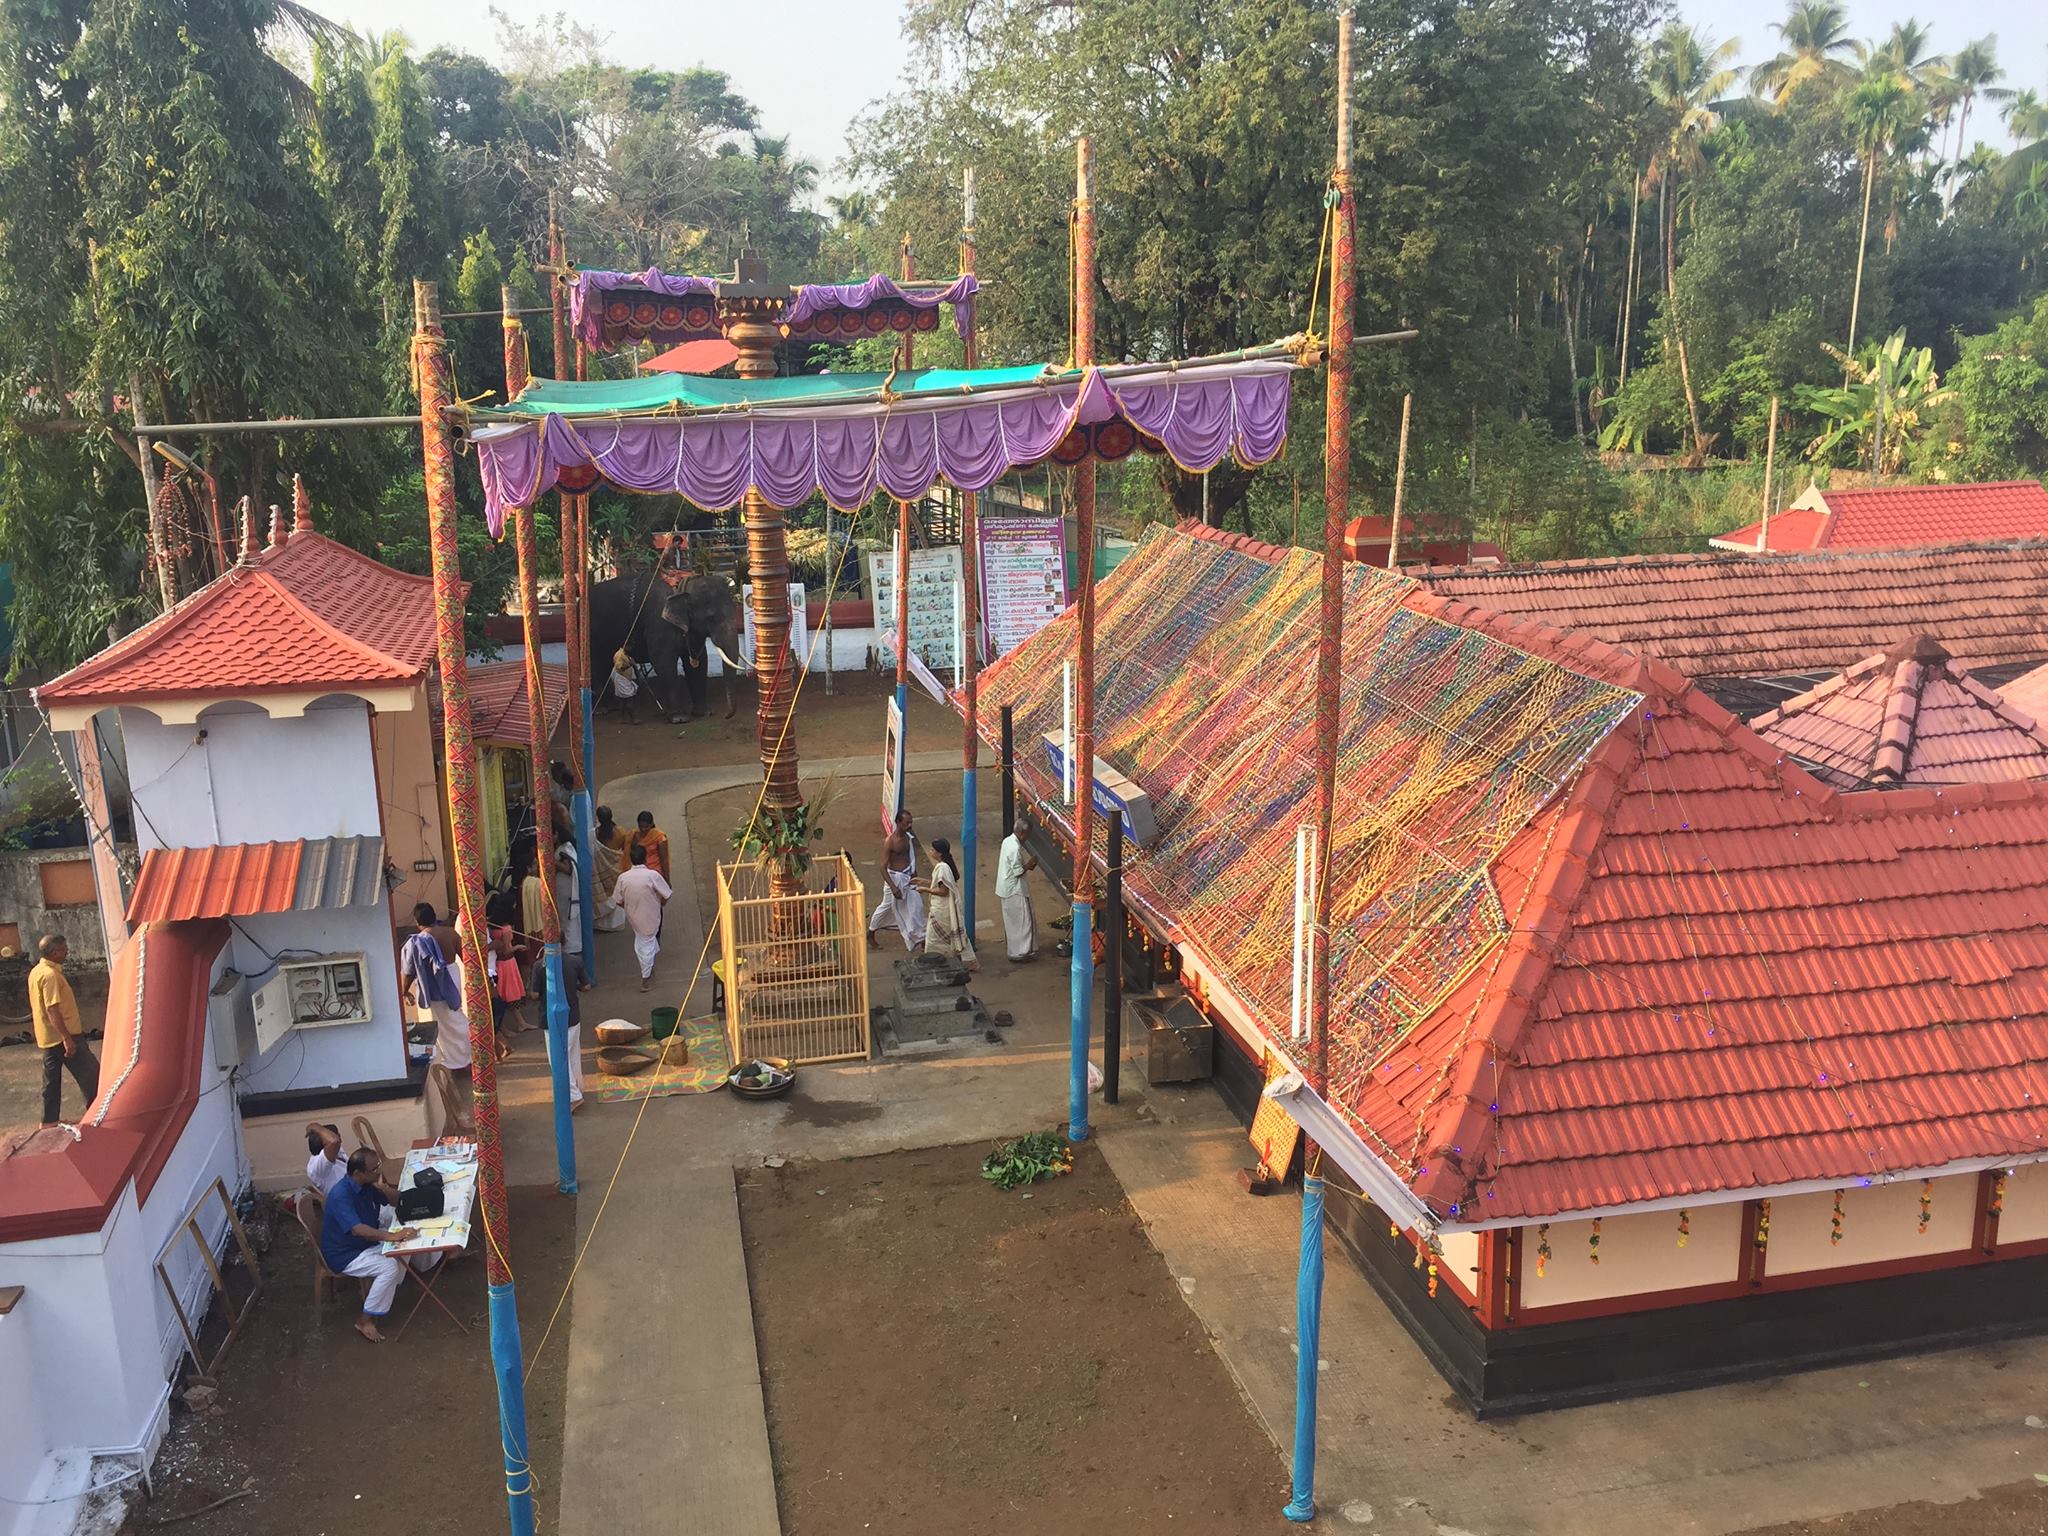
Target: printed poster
934,583
892,766
1023,578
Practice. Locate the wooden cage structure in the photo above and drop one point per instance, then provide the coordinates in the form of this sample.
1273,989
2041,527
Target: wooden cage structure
796,968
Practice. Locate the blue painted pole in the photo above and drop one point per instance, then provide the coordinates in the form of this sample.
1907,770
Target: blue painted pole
968,810
1308,1329
586,876
589,746
558,1070
506,1358
1084,1007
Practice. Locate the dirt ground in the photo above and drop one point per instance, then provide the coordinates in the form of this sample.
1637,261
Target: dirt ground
847,722
2018,1509
939,1355
355,1439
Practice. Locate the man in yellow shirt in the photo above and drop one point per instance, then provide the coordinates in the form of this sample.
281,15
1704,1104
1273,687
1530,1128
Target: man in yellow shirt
59,1034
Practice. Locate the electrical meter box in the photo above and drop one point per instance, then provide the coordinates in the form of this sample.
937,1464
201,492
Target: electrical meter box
311,994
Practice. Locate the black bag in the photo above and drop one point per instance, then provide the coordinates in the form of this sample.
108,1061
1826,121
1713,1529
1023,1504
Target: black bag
425,1200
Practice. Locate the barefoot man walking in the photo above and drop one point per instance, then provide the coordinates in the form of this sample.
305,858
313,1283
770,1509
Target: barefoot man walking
643,893
901,907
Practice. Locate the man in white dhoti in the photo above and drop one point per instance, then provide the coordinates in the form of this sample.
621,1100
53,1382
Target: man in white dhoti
643,893
1020,928
901,906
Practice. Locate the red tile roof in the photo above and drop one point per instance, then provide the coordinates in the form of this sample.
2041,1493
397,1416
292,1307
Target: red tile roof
1793,531
2028,693
1904,517
1713,973
312,614
1908,716
497,702
1726,616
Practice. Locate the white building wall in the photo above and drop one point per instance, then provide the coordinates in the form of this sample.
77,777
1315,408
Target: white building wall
25,1443
1638,1254
1460,1259
2023,1218
1879,1223
253,779
338,1054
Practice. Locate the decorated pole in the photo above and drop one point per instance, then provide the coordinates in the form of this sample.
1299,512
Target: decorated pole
1301,1507
970,598
431,369
751,308
909,271
527,542
572,534
1082,762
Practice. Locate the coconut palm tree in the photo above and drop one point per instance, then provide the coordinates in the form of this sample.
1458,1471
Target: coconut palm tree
1881,110
1687,73
1812,35
1905,54
2027,116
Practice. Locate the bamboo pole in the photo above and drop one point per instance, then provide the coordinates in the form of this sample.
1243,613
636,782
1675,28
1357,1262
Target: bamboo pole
970,587
526,541
431,369
159,520
1400,485
1082,761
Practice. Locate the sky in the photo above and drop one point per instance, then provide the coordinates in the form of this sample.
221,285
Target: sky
811,66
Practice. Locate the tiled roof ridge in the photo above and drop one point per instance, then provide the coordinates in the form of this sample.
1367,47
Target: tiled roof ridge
370,653
1930,487
1920,554
273,555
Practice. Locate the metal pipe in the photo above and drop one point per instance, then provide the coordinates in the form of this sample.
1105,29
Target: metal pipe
1113,963
1009,773
306,424
1308,1339
1400,484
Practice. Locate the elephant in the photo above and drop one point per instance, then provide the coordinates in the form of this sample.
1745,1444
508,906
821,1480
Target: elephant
670,628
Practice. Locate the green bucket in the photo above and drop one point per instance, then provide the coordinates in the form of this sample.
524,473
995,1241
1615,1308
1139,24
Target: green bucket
663,1021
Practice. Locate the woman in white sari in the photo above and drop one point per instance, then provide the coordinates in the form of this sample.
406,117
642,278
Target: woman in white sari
945,930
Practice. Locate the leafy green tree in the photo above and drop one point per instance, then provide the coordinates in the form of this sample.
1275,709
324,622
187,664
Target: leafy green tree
1975,73
344,156
1881,109
1997,426
413,231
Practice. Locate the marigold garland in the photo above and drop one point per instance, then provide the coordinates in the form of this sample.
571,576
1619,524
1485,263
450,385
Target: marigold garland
1684,1228
1542,1249
1997,1197
1926,1202
1593,1242
1763,1224
1835,1223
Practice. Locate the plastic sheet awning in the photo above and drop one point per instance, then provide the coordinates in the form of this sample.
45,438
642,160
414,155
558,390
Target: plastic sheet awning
847,436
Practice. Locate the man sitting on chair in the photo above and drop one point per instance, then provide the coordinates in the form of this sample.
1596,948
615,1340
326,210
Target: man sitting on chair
352,1237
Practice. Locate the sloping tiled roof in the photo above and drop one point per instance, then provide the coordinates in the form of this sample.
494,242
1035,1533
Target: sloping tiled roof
497,702
1693,971
1793,531
1908,716
309,614
244,879
1903,517
1734,616
2028,693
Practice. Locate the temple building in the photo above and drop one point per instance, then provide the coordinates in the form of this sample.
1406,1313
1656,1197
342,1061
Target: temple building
1656,1056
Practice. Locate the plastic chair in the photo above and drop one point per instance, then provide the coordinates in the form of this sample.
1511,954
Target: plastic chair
366,1136
311,1209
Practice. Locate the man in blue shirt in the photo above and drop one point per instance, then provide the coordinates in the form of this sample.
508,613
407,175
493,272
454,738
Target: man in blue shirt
352,1235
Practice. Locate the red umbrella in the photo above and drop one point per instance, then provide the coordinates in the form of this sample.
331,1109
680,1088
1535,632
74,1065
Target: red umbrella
706,356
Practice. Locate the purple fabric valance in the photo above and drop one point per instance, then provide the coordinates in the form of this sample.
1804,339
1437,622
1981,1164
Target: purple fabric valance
814,299
846,453
669,321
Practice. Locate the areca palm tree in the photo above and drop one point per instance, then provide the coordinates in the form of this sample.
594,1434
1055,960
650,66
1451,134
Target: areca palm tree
1811,39
1975,72
1687,73
1881,110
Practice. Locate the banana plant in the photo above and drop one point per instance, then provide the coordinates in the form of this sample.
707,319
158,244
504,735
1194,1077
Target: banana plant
1882,409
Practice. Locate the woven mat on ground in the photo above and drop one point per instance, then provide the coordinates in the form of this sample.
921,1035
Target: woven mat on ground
705,1068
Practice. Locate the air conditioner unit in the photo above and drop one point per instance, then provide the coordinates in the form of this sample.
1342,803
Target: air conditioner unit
311,994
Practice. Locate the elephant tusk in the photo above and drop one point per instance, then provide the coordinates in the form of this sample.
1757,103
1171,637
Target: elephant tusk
729,662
